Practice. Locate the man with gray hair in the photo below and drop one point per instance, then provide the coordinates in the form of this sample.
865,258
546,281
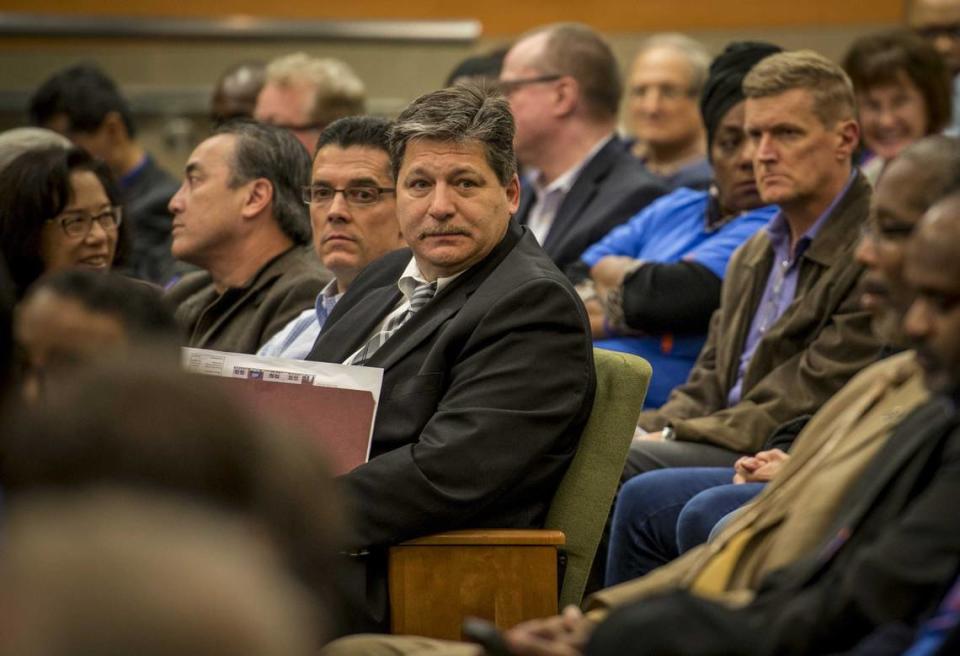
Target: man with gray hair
663,90
563,84
305,94
482,405
239,216
790,331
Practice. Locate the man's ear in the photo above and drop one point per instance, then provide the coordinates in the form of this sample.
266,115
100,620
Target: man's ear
513,194
848,132
567,96
259,197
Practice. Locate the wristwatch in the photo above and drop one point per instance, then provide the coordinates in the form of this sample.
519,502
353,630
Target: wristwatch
668,434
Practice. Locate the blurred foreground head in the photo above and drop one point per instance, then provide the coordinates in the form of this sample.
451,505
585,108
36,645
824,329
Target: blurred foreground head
144,424
115,572
72,318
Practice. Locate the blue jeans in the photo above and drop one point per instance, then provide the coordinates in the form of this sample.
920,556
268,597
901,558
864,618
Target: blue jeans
645,533
705,511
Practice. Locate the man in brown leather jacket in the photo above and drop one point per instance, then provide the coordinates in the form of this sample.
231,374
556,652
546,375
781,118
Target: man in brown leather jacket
789,332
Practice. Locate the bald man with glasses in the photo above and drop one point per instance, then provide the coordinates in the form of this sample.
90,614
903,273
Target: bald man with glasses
353,211
564,89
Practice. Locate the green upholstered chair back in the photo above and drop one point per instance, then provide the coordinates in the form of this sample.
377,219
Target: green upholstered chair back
585,495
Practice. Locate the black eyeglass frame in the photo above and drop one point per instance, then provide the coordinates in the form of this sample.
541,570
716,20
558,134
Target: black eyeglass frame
507,87
307,194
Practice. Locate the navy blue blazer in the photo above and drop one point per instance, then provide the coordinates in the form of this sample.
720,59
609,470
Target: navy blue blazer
612,187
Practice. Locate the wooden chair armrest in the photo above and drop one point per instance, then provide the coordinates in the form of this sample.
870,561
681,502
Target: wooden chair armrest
490,537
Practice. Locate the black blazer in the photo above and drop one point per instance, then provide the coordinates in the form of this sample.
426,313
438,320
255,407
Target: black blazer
895,548
612,187
146,200
485,393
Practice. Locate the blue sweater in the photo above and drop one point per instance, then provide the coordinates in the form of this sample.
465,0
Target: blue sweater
669,230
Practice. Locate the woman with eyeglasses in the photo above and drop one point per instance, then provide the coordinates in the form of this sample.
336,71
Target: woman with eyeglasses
59,209
903,92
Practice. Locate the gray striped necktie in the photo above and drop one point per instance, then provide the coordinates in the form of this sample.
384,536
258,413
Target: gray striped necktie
422,294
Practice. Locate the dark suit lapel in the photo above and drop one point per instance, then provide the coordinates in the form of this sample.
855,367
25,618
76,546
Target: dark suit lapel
527,198
582,192
447,303
345,337
419,328
917,432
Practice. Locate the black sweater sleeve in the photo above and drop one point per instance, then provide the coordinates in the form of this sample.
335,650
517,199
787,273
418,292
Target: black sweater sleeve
670,298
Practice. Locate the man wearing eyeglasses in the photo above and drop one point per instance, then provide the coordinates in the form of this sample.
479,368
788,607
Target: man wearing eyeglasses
304,94
239,216
564,89
664,86
353,211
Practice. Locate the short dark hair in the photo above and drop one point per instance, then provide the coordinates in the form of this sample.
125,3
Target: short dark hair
578,51
939,157
266,151
34,188
462,113
486,66
877,59
363,131
85,94
140,307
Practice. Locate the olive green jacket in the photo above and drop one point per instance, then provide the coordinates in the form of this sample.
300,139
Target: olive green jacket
820,342
241,319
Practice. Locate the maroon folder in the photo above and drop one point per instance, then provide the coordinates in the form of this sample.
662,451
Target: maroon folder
337,420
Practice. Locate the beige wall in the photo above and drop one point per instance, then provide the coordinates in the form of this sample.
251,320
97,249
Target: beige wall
181,72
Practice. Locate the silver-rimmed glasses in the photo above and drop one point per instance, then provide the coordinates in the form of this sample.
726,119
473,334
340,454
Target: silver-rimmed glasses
355,195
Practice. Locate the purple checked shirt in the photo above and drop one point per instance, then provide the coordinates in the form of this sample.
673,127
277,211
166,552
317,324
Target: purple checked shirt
781,284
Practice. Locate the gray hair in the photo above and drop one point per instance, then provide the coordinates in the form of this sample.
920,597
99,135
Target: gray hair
462,113
692,50
266,151
338,90
17,141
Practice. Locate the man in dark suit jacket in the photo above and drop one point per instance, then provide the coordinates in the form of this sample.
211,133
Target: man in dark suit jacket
896,548
564,88
146,196
488,383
